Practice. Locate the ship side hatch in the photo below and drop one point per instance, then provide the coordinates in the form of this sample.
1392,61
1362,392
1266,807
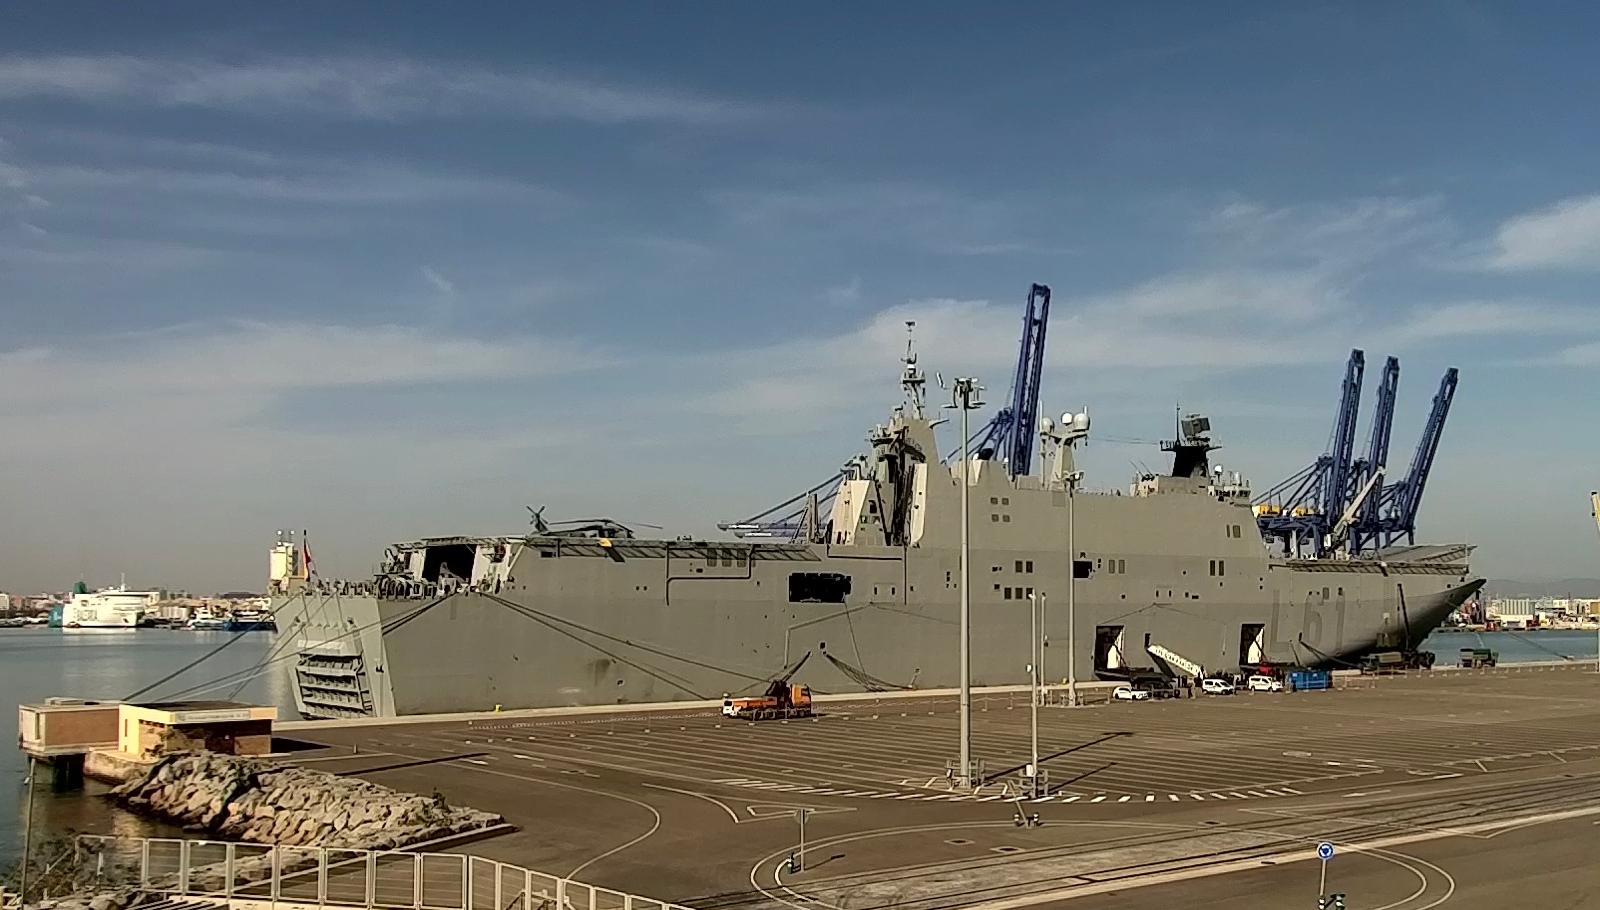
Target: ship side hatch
1252,644
448,560
1108,656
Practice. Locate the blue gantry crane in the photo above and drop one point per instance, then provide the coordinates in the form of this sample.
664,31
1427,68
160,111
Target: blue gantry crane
1402,500
1301,511
1368,521
1009,436
1334,498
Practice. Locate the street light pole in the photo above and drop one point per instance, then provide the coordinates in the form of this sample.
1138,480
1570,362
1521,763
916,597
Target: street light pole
1033,702
1072,601
966,391
27,834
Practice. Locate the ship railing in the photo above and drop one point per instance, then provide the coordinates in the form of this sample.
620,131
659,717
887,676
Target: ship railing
336,877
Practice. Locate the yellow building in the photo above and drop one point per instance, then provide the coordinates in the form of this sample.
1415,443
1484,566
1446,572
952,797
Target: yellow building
232,728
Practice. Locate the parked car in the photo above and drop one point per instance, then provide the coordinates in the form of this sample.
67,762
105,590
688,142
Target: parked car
1129,693
1263,684
1217,687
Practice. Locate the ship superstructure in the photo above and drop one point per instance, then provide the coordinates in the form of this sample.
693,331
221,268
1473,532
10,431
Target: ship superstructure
1172,569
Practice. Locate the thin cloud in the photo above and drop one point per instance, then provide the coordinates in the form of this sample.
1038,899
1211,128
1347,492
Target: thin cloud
439,283
1490,317
371,88
1565,235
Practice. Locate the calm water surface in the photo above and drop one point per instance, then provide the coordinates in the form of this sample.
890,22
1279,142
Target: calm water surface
90,663
35,663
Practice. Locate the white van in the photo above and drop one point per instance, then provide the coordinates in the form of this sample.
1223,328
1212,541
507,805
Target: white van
1263,684
1217,687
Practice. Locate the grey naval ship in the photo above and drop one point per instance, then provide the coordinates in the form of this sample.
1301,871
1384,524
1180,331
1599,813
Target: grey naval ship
1171,570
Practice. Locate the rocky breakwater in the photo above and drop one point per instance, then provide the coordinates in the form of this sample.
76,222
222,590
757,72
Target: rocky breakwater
253,800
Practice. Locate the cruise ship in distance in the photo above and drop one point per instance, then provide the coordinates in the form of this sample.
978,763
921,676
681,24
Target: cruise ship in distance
112,608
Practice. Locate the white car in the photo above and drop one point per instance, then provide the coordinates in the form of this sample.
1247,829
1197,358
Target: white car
1217,687
1263,684
1129,693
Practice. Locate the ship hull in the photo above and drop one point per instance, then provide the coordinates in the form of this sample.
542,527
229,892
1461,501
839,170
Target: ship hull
601,630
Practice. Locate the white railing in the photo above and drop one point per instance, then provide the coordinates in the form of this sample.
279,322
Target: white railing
328,876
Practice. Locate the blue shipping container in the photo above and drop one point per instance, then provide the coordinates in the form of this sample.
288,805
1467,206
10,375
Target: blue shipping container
1310,680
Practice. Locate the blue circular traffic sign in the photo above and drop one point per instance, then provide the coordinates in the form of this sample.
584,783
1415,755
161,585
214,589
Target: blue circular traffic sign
1325,850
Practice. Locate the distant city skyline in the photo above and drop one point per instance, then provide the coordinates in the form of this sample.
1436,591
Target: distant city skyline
391,271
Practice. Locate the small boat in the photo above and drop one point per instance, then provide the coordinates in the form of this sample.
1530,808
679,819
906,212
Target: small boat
206,622
251,621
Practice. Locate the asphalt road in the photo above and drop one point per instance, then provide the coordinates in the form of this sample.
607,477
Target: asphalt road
1448,789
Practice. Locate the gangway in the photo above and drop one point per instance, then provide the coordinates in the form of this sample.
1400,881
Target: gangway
1169,661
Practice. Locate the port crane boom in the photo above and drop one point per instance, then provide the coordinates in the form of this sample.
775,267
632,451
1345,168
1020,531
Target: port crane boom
1010,435
1405,496
1368,521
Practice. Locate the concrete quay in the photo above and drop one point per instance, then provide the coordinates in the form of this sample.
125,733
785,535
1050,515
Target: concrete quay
1477,788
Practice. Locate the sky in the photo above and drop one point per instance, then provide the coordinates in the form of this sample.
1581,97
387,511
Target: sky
385,271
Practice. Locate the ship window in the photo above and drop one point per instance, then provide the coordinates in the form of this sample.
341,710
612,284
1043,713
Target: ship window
1211,567
1324,593
1008,593
997,587
1082,568
727,562
872,507
711,561
1029,565
1006,518
1122,567
994,517
1341,592
818,587
1005,500
994,500
1222,568
1019,566
1030,592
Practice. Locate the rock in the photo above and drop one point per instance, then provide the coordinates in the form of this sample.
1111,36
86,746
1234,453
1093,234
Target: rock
262,803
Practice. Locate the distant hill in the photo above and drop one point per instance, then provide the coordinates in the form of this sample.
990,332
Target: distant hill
1560,587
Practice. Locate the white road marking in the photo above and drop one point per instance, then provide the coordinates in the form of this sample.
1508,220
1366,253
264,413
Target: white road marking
1123,799
1097,799
1072,799
1042,799
1173,797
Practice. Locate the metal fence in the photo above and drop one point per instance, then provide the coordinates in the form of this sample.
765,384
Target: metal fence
331,876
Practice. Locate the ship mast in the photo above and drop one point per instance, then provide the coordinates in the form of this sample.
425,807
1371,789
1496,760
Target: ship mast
912,379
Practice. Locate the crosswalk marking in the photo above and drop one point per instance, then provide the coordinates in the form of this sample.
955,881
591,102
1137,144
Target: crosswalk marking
947,796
